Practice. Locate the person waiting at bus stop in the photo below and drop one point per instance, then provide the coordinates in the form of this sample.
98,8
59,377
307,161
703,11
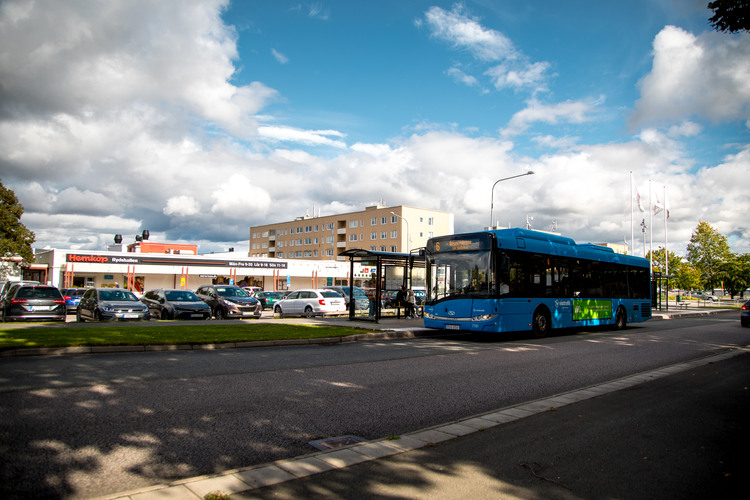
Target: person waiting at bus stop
402,301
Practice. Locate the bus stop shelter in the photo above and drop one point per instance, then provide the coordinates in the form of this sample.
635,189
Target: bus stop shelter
389,272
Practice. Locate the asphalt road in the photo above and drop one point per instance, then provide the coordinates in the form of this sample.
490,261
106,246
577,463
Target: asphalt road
85,426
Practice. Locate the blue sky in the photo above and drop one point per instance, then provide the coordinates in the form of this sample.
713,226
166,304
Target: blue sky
198,120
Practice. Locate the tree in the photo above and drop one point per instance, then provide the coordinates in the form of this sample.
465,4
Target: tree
15,238
687,277
706,250
659,262
734,273
730,15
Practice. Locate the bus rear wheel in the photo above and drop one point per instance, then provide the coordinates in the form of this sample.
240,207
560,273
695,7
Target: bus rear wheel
621,319
541,323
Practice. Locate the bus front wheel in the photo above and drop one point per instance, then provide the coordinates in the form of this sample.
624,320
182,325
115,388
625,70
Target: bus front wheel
541,323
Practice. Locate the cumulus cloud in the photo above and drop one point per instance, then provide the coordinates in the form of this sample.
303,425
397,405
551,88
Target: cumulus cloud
702,76
535,111
181,206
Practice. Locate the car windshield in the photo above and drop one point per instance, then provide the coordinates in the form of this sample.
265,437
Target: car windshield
231,291
75,292
121,295
272,295
181,296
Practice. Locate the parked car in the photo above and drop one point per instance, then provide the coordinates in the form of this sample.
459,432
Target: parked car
745,314
72,297
704,296
252,290
310,302
7,284
229,301
40,302
267,299
175,304
109,304
360,297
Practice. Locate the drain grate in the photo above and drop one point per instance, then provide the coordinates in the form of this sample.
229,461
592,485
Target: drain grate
336,442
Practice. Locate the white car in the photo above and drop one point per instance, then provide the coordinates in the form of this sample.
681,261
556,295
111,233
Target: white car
309,303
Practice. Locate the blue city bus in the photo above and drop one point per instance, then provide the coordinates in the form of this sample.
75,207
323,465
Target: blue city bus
519,280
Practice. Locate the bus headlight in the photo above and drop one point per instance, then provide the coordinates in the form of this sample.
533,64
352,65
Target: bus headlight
428,315
484,317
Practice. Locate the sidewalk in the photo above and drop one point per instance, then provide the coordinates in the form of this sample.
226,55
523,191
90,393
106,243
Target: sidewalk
675,432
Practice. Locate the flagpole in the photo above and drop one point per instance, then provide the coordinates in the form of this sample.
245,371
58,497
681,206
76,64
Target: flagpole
666,252
650,231
632,231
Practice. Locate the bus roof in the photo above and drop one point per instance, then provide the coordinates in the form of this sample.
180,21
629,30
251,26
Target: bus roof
528,240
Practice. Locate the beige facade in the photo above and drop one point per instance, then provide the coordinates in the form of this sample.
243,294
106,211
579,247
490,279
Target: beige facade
379,228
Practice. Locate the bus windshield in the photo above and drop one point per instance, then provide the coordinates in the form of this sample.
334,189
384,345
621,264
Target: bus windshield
463,274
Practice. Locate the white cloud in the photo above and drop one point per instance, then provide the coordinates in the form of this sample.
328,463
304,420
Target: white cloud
309,137
281,58
706,76
238,198
487,46
181,206
567,112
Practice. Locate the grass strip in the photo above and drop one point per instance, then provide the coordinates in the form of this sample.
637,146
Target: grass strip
163,334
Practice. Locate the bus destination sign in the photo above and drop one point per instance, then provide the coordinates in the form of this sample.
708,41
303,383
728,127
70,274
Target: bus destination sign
464,243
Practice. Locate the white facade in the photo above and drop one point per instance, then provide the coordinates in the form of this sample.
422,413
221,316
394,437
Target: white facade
139,271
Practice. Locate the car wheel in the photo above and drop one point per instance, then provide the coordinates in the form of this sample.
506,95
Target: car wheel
541,323
219,313
745,322
309,312
277,310
166,315
79,318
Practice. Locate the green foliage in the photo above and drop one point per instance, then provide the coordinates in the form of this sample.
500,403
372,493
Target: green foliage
15,238
734,273
730,15
687,277
659,261
216,495
706,250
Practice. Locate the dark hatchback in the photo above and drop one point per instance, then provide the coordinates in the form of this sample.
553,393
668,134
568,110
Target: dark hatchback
33,302
229,301
175,304
103,304
745,314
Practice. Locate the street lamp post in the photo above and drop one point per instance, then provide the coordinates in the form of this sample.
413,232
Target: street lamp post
492,201
408,248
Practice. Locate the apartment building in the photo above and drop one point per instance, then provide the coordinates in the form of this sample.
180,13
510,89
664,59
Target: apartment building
379,228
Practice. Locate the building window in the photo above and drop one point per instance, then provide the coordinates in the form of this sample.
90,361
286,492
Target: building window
383,220
374,221
373,236
383,235
394,219
430,221
393,248
352,237
430,234
353,223
308,241
308,253
394,234
329,226
315,253
382,248
329,239
298,254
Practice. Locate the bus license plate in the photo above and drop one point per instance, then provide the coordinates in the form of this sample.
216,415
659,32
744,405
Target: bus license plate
452,327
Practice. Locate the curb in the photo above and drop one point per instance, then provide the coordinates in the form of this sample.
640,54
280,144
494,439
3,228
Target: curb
247,479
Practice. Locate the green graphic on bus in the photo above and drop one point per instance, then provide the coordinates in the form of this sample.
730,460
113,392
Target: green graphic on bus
592,309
